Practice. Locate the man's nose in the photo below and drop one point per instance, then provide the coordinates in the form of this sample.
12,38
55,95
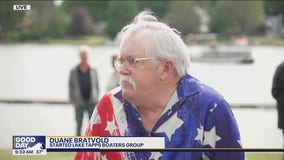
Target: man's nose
124,70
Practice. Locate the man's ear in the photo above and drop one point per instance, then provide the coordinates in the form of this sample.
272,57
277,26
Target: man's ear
167,70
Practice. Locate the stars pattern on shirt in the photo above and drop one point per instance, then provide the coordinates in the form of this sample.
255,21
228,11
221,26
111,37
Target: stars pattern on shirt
103,157
207,137
110,126
210,137
95,119
169,128
155,155
199,136
214,107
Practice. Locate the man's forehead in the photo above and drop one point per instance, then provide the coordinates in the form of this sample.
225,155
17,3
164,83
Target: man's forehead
131,51
130,55
135,44
83,53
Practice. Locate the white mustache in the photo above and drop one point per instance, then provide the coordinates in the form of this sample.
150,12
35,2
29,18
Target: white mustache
128,79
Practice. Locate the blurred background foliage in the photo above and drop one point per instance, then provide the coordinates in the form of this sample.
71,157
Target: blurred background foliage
69,19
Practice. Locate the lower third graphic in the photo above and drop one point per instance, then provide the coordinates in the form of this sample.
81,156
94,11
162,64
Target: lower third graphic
29,145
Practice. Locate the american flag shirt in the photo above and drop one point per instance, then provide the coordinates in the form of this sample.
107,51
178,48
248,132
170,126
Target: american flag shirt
195,117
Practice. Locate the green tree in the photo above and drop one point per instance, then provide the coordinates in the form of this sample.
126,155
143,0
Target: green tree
236,16
160,8
44,21
57,26
183,17
97,9
9,18
81,23
119,13
273,7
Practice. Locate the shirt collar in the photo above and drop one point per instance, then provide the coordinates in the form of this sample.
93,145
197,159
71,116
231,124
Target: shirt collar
188,86
173,100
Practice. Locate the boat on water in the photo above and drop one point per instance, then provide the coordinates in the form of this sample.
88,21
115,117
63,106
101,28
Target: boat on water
223,54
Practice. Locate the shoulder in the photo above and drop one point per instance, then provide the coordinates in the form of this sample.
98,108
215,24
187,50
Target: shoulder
195,88
93,70
279,72
281,67
282,64
74,69
74,72
201,95
210,93
212,99
214,104
110,97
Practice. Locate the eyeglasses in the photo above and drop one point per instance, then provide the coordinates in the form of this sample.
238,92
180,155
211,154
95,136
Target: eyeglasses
130,62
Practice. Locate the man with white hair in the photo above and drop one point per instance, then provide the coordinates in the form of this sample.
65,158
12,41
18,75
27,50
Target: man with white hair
83,88
158,97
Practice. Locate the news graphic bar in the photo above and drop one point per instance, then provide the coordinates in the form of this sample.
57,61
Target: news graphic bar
54,143
40,145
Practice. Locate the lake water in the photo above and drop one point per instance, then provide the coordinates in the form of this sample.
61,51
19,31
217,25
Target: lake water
40,72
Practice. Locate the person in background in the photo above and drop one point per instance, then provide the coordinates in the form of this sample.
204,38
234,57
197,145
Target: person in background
83,88
278,93
114,78
158,97
241,41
